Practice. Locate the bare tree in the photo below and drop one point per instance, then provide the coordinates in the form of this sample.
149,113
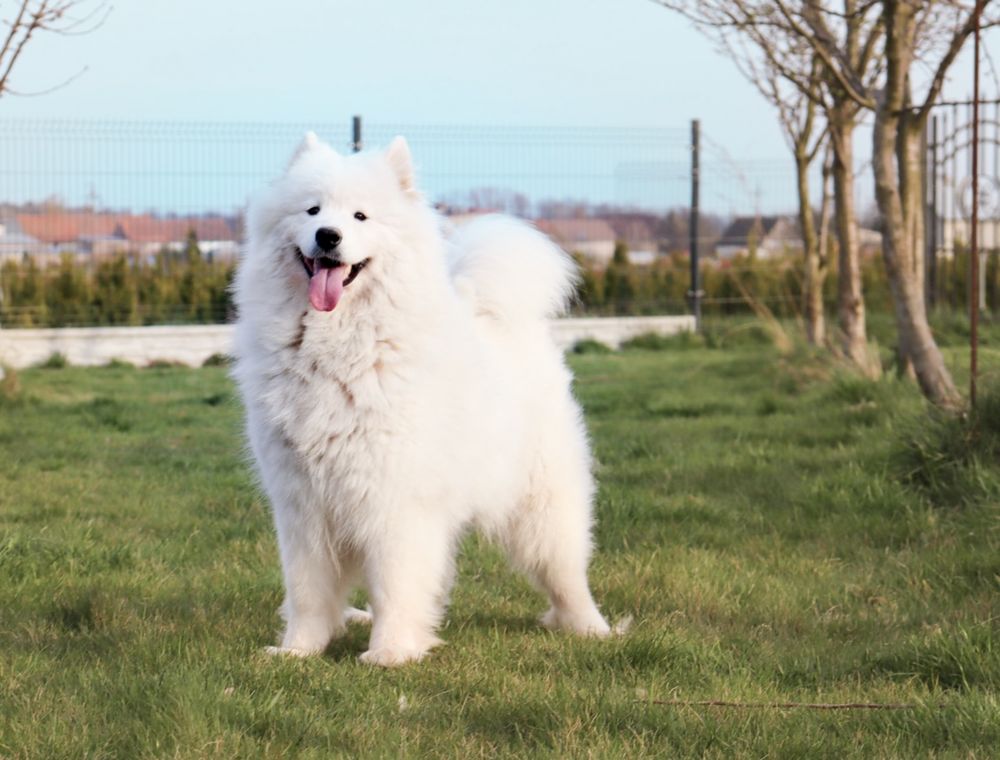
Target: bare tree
31,17
910,38
796,103
912,31
919,35
797,113
749,29
855,30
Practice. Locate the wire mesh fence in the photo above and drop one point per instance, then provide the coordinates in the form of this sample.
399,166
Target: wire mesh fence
77,197
948,198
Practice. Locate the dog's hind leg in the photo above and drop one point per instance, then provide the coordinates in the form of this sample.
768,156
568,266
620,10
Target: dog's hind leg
548,537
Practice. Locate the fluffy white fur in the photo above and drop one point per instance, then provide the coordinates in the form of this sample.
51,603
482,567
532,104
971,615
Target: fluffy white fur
430,400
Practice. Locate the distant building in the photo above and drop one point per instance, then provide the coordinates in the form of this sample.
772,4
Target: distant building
642,258
65,232
958,232
869,241
592,238
767,236
636,230
147,235
96,236
15,244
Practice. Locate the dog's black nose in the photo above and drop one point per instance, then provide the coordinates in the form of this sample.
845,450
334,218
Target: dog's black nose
327,238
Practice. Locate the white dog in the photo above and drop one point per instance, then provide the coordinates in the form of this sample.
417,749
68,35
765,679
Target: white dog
400,388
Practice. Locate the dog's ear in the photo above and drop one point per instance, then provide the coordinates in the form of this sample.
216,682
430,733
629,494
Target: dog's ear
401,162
309,142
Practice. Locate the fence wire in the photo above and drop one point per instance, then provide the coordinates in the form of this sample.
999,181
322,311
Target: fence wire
93,190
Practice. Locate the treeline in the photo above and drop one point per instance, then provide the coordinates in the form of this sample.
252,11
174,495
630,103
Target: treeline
741,285
171,288
745,283
184,287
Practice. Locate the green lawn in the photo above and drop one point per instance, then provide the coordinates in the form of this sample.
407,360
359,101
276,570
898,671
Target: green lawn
751,518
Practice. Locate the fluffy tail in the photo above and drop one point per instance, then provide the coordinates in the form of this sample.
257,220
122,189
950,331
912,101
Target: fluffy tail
510,271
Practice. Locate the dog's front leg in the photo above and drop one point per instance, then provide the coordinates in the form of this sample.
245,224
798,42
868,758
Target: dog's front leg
408,573
317,583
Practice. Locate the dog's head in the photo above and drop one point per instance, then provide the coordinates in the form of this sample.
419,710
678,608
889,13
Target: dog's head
332,221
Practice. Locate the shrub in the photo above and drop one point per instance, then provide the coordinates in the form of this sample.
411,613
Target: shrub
656,342
10,384
55,361
217,360
733,333
128,289
954,459
853,389
591,346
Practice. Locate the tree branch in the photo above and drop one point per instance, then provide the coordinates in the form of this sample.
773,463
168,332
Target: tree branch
954,47
26,29
818,36
15,25
36,93
53,16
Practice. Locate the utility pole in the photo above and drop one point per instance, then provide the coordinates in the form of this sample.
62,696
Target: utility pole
695,293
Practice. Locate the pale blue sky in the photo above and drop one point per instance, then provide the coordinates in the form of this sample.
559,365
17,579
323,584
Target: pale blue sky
527,62
518,62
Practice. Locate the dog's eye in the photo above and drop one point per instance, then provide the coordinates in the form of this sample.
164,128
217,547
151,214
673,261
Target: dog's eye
360,216
313,211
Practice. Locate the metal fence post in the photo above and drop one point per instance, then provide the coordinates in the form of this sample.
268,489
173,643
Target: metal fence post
974,242
356,132
695,294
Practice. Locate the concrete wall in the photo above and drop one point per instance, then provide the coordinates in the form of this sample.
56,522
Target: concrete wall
88,346
192,344
613,331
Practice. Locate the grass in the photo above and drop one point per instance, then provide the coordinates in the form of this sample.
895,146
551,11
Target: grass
953,459
753,517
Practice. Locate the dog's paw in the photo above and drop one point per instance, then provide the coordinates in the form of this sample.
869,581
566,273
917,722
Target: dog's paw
389,657
622,626
587,622
289,652
354,615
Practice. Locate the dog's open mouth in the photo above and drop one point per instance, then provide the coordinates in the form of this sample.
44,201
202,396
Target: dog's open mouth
327,279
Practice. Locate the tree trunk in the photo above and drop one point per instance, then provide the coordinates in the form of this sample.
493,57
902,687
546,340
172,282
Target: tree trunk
825,212
850,299
897,173
901,249
815,270
910,164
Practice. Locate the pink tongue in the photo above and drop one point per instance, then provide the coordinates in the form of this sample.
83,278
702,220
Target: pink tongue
326,287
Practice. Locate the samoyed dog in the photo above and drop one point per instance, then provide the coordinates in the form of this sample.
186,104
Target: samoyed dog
401,387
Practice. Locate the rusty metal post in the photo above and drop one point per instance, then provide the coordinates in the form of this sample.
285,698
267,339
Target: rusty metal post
695,292
974,236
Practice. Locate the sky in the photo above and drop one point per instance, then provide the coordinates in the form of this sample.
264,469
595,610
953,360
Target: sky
588,63
533,62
